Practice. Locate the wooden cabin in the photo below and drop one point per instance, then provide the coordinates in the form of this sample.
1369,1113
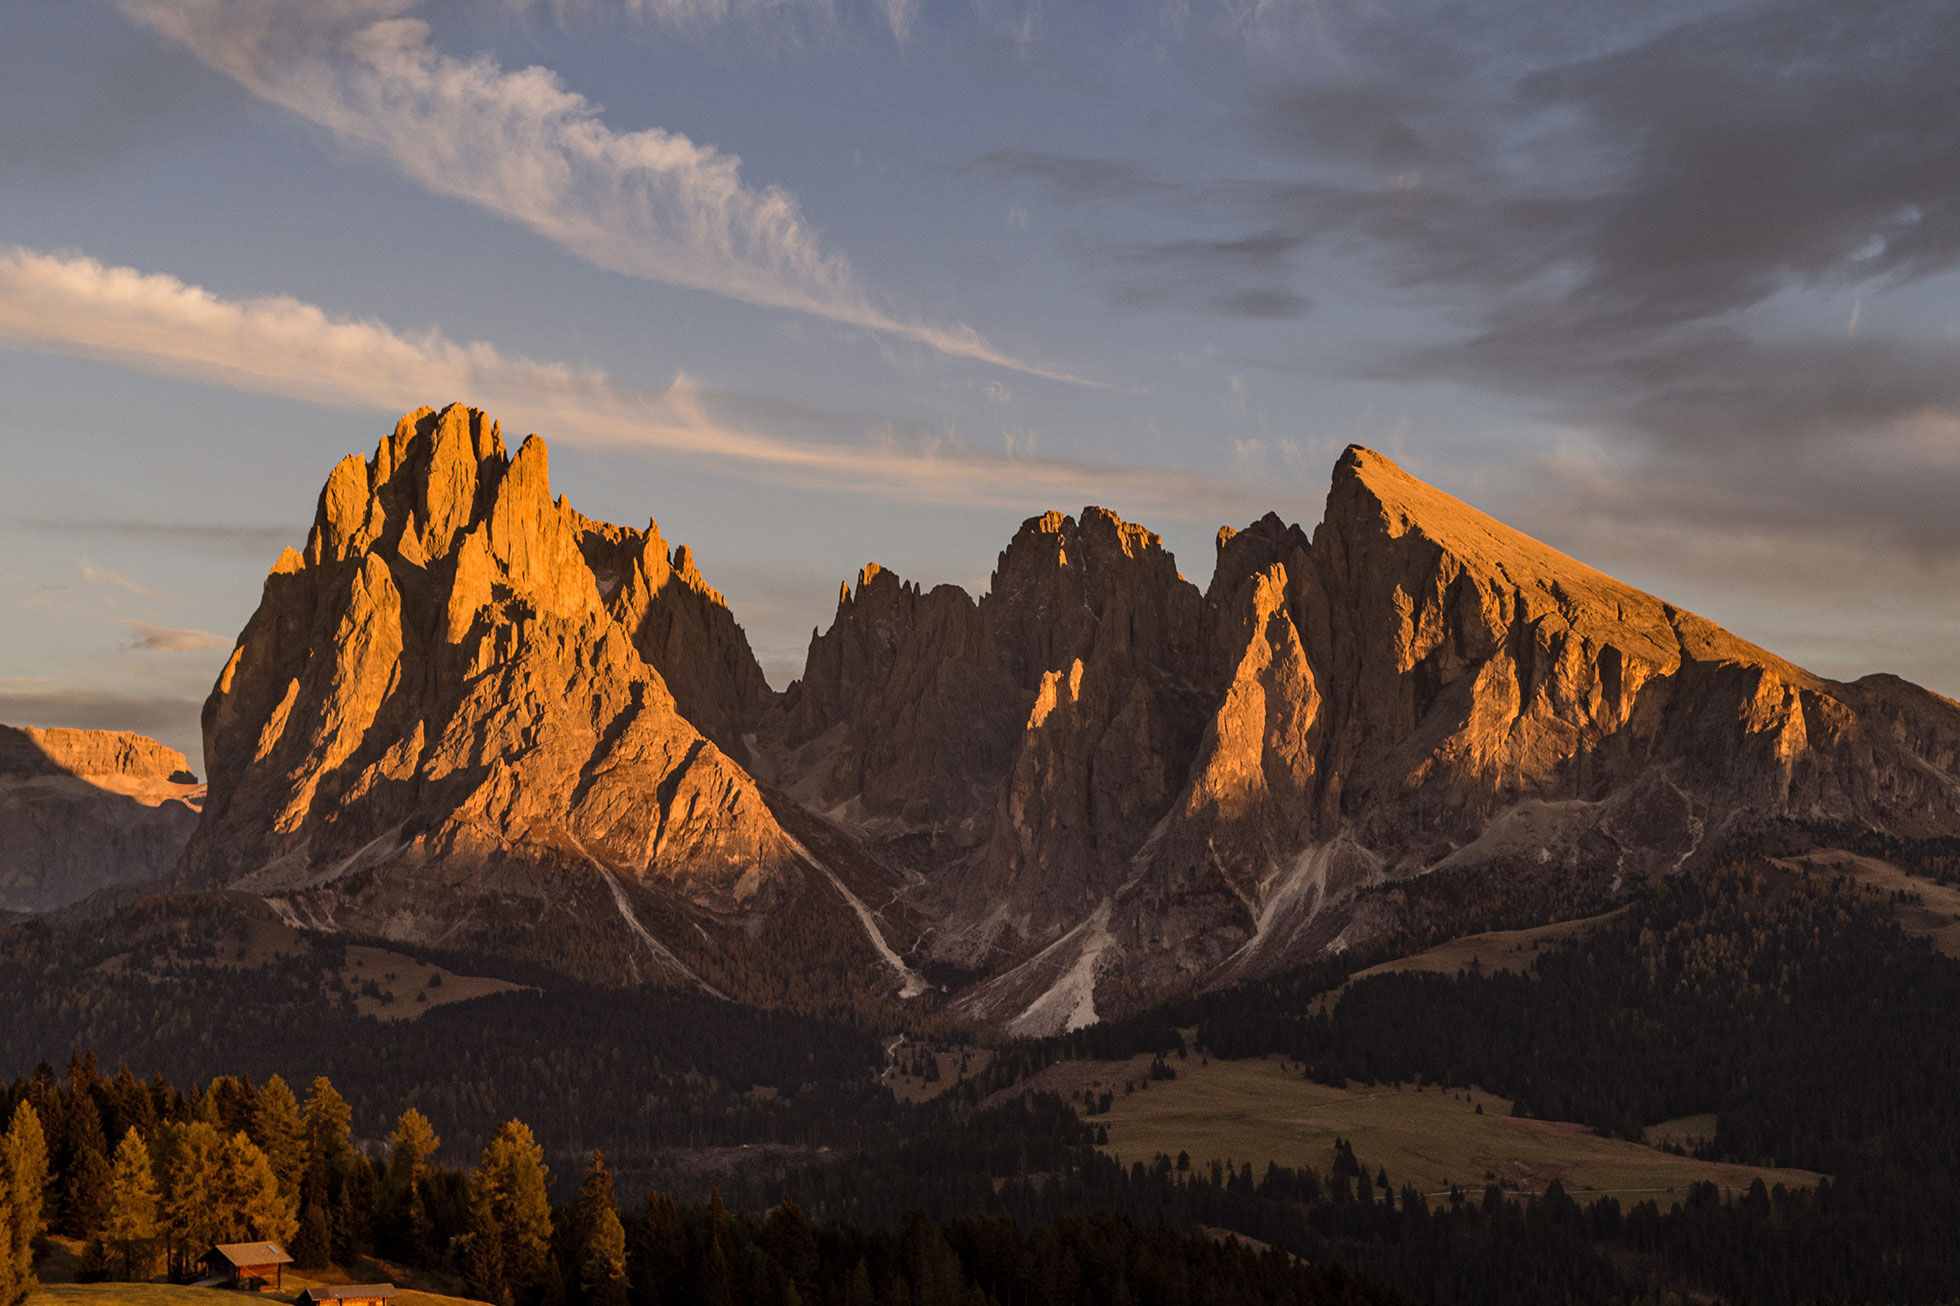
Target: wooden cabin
251,1267
348,1294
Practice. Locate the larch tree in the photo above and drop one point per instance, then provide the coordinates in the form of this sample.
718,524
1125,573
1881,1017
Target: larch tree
510,1218
252,1207
405,1211
14,1283
602,1268
24,1158
323,1186
595,1195
329,1124
280,1132
129,1235
193,1188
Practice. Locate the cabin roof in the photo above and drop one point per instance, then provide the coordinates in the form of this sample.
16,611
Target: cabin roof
343,1291
244,1254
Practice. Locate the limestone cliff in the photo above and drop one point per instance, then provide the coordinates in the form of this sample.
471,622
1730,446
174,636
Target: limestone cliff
81,810
1423,688
468,714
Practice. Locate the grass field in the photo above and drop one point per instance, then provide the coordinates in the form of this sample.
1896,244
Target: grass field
1256,1111
165,1294
57,1271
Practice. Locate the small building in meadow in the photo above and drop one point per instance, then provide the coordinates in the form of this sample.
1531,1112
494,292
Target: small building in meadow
248,1266
348,1294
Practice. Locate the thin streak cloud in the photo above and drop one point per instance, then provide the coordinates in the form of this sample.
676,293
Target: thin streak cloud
148,638
95,575
76,306
649,203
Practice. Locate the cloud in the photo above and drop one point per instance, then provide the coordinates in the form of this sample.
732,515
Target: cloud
1627,220
95,575
169,639
244,541
163,717
73,305
650,203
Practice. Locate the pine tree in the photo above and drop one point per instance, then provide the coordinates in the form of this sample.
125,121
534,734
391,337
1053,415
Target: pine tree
329,1121
24,1158
228,1104
404,1210
193,1188
87,1205
130,1232
323,1216
659,1254
252,1209
595,1197
793,1246
280,1132
602,1270
14,1285
510,1210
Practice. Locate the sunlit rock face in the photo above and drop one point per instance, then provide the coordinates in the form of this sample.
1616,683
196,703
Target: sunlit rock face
466,713
463,690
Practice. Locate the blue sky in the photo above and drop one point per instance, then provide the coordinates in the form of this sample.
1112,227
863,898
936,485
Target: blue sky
813,284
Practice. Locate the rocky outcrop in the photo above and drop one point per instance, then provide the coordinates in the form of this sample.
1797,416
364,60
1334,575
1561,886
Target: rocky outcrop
81,810
468,713
1422,688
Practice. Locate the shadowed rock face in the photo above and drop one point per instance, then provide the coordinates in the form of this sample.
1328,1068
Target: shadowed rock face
1200,785
468,714
81,810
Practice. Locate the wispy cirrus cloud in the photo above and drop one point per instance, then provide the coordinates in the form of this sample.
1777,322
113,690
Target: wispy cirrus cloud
70,304
649,203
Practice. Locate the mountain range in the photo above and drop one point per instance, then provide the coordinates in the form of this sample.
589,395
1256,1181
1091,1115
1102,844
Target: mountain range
467,716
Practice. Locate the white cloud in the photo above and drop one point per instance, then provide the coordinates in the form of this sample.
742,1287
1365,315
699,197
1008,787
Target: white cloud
74,305
170,639
648,203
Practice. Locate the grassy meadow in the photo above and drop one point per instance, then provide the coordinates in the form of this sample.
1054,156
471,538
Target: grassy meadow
1258,1111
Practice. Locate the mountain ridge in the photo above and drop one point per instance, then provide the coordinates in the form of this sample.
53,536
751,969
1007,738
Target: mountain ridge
467,713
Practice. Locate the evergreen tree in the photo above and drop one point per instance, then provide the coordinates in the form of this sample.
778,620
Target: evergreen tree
405,1226
130,1232
280,1132
793,1246
252,1209
14,1283
509,1241
595,1197
24,1159
324,1217
229,1103
658,1257
312,1247
329,1123
193,1188
87,1204
602,1270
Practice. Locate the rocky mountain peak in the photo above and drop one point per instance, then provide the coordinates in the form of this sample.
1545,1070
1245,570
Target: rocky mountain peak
463,672
1088,784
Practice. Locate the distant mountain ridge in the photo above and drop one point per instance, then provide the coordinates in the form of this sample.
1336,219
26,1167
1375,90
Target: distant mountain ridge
468,715
81,810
